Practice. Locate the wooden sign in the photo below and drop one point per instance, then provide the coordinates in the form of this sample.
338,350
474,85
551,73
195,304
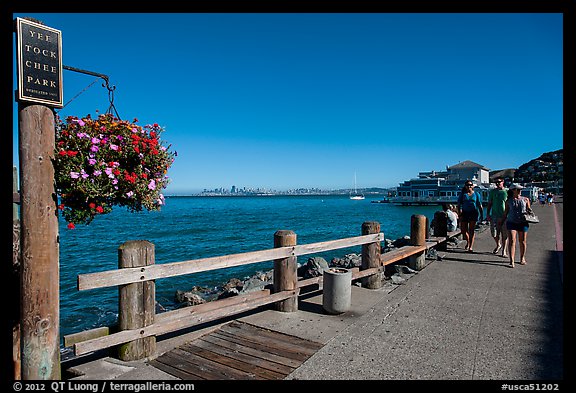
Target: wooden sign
39,63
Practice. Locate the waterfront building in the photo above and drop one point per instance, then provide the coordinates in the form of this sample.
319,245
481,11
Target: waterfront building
434,188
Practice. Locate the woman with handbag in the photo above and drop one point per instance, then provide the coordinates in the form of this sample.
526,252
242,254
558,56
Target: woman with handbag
516,224
469,211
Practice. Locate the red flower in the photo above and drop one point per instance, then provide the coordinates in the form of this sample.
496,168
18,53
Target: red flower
71,153
62,153
71,225
99,209
92,205
61,206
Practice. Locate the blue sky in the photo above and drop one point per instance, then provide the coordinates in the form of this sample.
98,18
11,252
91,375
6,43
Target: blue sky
284,100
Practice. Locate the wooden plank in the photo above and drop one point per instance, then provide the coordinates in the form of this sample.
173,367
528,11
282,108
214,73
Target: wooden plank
131,275
271,366
400,253
265,347
174,366
268,341
74,338
232,362
227,342
173,324
209,368
71,339
180,365
212,306
314,346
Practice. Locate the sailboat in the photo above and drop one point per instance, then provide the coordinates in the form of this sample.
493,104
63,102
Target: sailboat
356,195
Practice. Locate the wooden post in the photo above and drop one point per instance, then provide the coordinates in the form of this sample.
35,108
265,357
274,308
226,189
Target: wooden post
14,306
40,279
371,256
418,225
136,307
441,228
285,275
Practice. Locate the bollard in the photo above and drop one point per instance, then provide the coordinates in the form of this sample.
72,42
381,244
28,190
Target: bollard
136,301
371,256
285,275
417,238
441,228
337,290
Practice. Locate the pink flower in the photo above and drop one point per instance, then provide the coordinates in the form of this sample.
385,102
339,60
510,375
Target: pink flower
74,175
152,185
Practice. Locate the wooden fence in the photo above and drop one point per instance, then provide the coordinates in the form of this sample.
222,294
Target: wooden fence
138,325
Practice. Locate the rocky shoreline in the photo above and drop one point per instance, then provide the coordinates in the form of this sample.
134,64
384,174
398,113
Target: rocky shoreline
397,273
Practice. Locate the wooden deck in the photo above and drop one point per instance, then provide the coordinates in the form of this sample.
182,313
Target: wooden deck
238,351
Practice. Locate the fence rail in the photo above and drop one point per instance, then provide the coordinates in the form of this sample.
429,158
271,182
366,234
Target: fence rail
133,275
139,325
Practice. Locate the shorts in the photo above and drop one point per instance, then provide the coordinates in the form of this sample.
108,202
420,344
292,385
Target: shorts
497,226
520,227
468,216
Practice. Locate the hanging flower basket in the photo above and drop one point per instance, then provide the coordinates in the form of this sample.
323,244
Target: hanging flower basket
104,162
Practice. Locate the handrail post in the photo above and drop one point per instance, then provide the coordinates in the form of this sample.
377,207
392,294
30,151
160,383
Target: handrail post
441,228
371,256
39,247
285,275
136,306
418,223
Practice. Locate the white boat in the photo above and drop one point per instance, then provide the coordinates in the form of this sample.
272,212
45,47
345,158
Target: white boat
356,195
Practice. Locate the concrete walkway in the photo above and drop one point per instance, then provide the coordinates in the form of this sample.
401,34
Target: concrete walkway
464,317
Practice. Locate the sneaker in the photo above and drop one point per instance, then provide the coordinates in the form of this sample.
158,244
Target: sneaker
497,249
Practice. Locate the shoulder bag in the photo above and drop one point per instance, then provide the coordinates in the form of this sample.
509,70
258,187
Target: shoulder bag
530,217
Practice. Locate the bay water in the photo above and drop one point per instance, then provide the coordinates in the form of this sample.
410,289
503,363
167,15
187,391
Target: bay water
188,228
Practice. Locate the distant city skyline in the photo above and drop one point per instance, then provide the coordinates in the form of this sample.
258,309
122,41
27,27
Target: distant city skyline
302,100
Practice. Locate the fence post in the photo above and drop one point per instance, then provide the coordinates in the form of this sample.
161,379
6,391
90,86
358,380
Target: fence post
441,228
418,225
14,306
285,276
39,264
136,306
371,256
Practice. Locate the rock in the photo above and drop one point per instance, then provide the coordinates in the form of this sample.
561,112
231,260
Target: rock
397,279
233,283
403,269
313,268
256,283
432,253
349,261
401,242
228,293
190,298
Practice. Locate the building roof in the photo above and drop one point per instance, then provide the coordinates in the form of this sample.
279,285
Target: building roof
467,164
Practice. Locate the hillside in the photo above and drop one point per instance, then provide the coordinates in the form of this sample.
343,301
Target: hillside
548,168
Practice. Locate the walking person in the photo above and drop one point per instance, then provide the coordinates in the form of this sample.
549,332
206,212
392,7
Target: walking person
516,206
495,214
550,198
469,210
